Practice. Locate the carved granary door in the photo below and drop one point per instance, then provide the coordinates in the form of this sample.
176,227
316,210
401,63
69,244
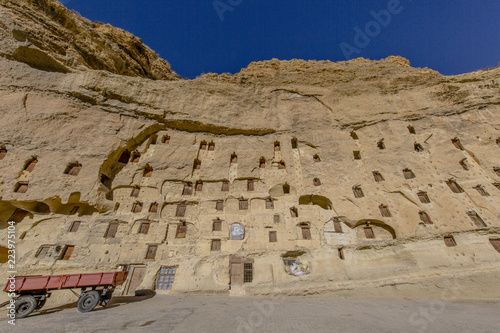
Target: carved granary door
137,275
236,271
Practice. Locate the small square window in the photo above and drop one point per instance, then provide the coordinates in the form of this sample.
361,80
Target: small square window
106,181
196,164
381,144
294,212
449,241
153,208
478,221
369,232
424,217
217,225
273,236
166,278
203,145
135,192
269,203
66,252
225,186
111,231
453,185
216,243
148,171
357,154
496,244
124,157
18,215
219,205
199,186
42,251
211,146
73,169
137,207
30,165
243,204
181,210
136,157
74,210
384,211
151,252
497,171
21,187
358,192
250,185
316,182
456,142
3,153
306,232
481,190
188,189
144,228
277,146
281,165
378,176
234,158
181,231
337,226
247,272
463,164
423,197
262,163
294,143
74,226
408,174
316,158
276,218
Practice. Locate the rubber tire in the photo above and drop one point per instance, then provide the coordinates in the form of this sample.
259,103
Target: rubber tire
88,301
25,305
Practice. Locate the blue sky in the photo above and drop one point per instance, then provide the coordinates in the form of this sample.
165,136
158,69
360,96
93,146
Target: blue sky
201,36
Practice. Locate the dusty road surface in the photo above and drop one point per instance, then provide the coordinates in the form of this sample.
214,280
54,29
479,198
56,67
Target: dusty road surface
208,314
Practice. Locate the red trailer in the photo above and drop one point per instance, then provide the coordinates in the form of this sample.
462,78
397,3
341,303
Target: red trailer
33,291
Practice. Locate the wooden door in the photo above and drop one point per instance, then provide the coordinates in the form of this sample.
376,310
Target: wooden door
236,271
236,274
137,275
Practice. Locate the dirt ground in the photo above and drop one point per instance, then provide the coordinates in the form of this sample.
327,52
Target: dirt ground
181,313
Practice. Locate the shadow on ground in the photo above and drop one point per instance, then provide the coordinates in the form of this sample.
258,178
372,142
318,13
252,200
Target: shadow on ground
140,295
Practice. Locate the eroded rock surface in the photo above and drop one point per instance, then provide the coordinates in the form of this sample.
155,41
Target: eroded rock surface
381,178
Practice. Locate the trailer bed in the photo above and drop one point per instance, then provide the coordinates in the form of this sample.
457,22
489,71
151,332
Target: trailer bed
68,281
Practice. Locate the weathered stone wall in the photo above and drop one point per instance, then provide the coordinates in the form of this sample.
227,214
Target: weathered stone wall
93,117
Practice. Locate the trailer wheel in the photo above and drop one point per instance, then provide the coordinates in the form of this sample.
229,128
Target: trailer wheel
88,301
25,305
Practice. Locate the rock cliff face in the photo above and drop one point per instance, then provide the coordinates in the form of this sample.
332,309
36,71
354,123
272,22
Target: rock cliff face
47,36
382,178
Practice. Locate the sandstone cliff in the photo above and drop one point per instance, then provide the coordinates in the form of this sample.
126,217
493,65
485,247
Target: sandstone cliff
99,143
47,36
